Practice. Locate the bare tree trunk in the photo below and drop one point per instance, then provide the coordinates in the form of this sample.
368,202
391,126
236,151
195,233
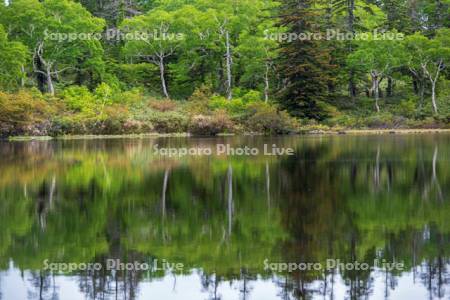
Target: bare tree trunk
375,89
163,79
266,83
229,63
433,96
50,87
433,81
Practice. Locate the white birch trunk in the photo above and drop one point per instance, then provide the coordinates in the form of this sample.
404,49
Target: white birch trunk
163,78
229,62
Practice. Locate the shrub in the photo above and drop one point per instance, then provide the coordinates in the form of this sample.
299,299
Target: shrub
312,126
104,94
234,106
385,121
22,113
197,104
169,122
201,94
251,96
266,119
218,122
163,105
115,116
407,108
133,126
79,99
131,97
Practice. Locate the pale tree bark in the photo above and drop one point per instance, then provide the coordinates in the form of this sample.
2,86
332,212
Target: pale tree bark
50,87
229,62
376,88
48,65
22,80
162,76
433,79
158,57
267,82
224,32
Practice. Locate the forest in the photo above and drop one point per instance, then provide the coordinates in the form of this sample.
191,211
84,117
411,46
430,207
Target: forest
209,67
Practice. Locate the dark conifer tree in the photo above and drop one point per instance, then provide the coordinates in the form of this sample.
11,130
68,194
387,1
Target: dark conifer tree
304,62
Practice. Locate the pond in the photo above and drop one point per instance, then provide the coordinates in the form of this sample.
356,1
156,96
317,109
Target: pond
341,217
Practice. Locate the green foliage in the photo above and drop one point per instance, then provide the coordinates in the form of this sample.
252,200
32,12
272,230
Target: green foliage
228,56
407,108
13,57
169,122
267,119
305,65
235,106
79,99
251,96
23,114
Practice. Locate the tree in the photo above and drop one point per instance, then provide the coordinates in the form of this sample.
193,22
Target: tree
12,59
377,57
349,7
439,55
304,64
258,52
427,59
59,33
160,40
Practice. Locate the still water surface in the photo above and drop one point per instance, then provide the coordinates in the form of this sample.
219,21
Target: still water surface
224,219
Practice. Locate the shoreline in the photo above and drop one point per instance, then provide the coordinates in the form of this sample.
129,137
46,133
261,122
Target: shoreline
188,135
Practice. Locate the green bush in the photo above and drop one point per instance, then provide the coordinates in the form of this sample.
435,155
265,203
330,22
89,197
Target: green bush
24,114
385,121
264,118
252,96
131,97
197,104
79,99
169,122
407,108
234,106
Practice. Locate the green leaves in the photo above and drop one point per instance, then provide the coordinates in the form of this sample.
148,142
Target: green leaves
13,56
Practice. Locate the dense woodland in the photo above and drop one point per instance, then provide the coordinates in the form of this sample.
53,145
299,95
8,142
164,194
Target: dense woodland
209,67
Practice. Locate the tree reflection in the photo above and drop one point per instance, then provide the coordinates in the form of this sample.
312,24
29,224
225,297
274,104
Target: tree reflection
352,199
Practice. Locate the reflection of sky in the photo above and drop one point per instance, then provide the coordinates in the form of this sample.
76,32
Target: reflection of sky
14,287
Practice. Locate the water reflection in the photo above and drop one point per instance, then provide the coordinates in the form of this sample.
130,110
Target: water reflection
348,198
